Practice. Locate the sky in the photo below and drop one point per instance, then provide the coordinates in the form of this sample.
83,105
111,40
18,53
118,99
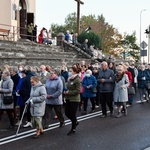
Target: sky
124,15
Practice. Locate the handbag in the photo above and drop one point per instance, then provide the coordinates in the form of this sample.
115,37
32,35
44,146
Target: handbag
131,90
94,90
8,100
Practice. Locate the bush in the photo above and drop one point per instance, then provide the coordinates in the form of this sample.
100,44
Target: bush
93,39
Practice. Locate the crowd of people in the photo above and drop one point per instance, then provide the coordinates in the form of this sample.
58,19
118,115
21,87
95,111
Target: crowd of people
44,89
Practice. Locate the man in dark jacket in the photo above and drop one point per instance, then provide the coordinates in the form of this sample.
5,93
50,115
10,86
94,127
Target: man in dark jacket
84,46
15,77
106,86
26,89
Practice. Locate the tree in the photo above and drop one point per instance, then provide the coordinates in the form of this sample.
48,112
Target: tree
130,46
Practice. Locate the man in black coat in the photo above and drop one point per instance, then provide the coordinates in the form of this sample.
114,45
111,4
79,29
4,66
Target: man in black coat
15,77
26,89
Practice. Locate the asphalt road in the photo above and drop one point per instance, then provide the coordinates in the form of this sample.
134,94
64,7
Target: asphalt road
93,133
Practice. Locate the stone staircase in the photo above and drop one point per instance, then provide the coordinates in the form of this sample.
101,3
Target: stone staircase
34,54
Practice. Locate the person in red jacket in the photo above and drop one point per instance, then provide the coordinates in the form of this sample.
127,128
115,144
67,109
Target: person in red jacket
130,78
40,37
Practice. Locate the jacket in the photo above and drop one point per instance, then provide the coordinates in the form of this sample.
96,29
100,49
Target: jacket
38,96
121,94
86,82
142,78
108,85
54,88
7,89
73,87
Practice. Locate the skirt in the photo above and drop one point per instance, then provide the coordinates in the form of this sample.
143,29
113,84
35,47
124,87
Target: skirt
37,122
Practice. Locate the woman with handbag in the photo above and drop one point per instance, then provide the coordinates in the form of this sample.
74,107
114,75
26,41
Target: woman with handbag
120,91
6,99
89,83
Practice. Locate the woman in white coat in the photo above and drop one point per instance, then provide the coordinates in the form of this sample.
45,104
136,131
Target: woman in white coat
120,91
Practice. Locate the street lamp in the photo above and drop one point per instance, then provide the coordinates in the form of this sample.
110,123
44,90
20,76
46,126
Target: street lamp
140,29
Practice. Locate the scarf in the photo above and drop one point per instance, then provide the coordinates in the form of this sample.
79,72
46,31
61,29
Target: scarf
72,77
119,77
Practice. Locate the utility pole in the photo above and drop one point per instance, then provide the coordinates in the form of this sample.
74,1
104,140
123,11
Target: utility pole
147,31
79,2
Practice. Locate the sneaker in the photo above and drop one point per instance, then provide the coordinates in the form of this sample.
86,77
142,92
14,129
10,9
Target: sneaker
28,125
97,106
17,124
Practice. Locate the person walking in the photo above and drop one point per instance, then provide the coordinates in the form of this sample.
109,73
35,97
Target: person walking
106,87
120,90
6,89
89,83
37,104
54,88
72,95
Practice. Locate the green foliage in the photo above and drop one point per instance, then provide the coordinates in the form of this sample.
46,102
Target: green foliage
130,46
94,39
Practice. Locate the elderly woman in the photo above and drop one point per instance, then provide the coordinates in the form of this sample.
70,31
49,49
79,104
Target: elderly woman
89,83
54,88
37,107
6,90
120,91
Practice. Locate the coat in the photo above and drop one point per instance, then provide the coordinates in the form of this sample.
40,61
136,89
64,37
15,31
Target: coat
38,96
121,94
54,88
7,89
26,86
86,82
108,85
142,82
73,87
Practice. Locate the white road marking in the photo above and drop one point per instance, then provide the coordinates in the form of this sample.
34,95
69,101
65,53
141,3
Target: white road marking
52,126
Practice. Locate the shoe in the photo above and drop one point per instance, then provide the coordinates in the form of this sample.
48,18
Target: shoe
119,115
28,125
92,111
83,113
125,112
77,123
45,127
17,124
111,113
36,136
62,124
41,133
71,132
103,116
97,106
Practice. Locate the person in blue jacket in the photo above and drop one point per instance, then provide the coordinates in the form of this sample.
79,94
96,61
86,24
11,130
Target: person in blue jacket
89,83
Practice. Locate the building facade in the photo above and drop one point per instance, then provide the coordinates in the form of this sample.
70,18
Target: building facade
15,15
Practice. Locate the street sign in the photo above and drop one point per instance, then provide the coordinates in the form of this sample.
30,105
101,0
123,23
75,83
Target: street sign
143,52
143,45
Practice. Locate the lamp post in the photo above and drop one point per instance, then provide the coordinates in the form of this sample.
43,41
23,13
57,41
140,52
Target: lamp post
140,28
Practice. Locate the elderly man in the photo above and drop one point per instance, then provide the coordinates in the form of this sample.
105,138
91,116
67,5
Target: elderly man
44,75
106,86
